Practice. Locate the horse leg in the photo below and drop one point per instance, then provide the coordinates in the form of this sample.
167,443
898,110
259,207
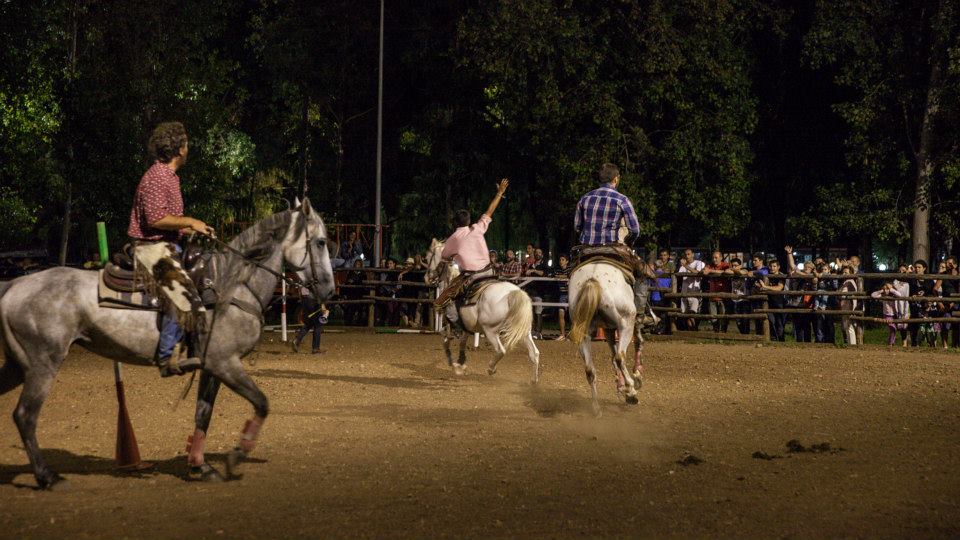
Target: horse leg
231,373
534,355
460,366
206,396
611,340
591,373
35,389
638,359
493,336
446,348
620,361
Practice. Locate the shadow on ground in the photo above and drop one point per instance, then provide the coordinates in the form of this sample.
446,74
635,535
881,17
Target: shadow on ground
66,462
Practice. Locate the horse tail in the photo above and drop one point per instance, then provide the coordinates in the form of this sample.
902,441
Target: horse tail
587,302
516,327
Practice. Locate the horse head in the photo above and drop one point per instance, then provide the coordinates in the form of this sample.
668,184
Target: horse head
305,250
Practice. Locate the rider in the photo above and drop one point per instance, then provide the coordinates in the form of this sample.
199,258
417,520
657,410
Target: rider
468,248
598,218
157,216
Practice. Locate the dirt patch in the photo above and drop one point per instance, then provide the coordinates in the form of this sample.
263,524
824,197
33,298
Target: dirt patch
377,438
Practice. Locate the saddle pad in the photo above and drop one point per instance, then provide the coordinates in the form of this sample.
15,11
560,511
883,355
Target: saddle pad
620,265
110,298
476,290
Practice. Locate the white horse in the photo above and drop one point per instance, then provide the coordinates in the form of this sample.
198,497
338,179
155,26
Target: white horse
503,313
600,296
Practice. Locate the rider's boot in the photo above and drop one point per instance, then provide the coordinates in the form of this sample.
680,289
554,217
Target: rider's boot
176,364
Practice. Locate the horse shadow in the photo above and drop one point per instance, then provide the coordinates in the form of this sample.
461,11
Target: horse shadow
354,379
549,403
66,462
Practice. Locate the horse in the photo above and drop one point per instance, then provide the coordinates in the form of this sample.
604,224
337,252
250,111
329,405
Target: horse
504,313
601,297
42,314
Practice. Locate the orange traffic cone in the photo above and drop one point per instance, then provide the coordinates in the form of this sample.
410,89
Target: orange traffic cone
600,335
128,453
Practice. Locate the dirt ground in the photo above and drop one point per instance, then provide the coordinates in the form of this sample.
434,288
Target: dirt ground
377,438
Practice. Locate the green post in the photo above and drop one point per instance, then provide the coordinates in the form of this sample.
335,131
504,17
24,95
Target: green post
102,242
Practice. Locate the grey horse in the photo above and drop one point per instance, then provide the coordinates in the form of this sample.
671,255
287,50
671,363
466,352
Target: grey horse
42,314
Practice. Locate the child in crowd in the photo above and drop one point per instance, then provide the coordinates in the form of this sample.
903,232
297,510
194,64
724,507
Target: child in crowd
889,294
903,306
849,326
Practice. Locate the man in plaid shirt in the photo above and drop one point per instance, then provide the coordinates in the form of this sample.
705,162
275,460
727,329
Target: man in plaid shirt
598,218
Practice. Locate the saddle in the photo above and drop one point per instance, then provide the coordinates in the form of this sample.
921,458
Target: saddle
618,255
458,291
118,274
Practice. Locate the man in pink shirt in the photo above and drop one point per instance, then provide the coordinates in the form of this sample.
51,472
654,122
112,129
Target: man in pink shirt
468,248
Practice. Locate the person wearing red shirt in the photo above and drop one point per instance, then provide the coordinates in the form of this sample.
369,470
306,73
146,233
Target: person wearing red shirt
718,305
157,216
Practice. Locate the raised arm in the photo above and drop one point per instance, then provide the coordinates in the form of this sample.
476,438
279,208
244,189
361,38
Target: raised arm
501,189
791,264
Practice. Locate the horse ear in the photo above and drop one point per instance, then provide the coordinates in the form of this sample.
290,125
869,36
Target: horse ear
296,202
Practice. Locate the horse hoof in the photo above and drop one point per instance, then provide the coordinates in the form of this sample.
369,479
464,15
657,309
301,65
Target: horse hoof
234,459
637,379
207,473
458,369
491,371
632,400
55,483
597,411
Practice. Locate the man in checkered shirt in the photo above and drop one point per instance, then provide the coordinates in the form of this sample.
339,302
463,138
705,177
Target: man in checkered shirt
599,215
157,216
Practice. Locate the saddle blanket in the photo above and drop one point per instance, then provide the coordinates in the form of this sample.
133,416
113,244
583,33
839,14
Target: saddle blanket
110,298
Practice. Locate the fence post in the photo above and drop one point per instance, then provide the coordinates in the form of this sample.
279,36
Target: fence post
370,312
766,320
671,316
863,308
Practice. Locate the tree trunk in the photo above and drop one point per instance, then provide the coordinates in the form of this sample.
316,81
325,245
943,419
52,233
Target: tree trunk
304,142
70,111
65,231
925,161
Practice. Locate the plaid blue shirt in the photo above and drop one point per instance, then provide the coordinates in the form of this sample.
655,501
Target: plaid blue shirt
599,213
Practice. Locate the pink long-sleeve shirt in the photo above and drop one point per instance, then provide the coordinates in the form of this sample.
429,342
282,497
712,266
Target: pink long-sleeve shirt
468,247
889,301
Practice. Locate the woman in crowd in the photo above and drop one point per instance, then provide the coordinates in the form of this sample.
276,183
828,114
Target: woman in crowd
903,306
889,294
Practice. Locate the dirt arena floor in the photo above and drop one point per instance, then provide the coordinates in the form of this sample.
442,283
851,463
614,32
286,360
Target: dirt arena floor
378,439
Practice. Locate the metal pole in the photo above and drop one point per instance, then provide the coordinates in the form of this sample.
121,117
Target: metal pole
283,311
377,239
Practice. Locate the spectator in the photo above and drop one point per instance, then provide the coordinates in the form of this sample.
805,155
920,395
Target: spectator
495,261
562,271
950,288
353,312
889,295
389,315
822,321
350,250
528,257
536,267
511,267
921,287
664,269
718,305
689,265
738,286
849,326
805,281
759,275
314,318
773,286
902,285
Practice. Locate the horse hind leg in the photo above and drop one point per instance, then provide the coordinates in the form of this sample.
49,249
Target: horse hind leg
620,361
36,386
611,339
499,350
534,355
459,367
591,374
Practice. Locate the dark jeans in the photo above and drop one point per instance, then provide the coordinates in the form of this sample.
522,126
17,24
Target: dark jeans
823,328
742,308
757,323
312,322
803,328
777,322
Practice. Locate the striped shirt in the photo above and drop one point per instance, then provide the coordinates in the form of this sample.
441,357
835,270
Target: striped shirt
599,213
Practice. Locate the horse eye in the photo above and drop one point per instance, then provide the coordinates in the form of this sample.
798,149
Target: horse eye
321,242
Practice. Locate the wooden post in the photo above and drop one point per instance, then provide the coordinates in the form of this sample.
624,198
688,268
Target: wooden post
370,309
766,321
863,308
671,319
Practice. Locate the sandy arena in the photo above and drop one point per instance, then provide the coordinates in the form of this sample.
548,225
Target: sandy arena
378,439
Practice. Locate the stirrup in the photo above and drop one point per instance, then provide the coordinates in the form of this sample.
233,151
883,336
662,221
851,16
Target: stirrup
175,365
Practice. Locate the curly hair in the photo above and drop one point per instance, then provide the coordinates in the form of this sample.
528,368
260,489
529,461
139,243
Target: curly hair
166,141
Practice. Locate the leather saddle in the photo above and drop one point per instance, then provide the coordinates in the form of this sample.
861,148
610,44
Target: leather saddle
118,274
618,255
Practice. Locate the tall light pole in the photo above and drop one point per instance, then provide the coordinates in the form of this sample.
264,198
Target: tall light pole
378,234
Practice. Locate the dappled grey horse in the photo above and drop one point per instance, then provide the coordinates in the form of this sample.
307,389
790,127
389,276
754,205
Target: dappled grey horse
42,314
